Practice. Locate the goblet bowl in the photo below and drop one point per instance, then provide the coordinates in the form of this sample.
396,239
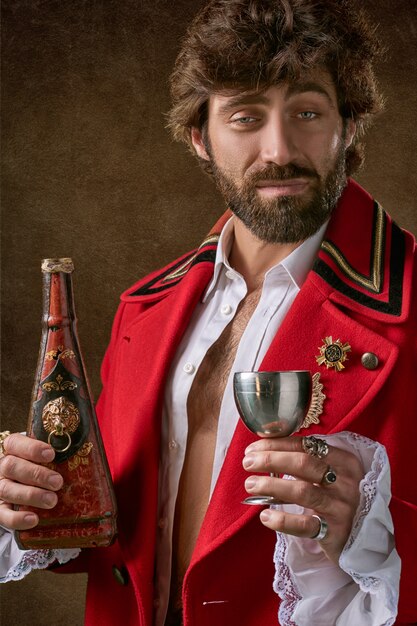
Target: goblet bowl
273,404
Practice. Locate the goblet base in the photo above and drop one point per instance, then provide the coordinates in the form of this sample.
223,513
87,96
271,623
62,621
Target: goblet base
261,500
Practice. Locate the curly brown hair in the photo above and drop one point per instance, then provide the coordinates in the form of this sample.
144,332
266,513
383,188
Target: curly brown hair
253,44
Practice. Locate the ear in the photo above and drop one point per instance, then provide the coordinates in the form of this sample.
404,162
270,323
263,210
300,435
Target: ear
350,131
198,143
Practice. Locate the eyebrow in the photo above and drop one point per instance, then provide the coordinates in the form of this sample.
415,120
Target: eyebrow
260,97
303,87
243,99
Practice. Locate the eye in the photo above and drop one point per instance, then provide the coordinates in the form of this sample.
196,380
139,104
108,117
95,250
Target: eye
244,120
307,115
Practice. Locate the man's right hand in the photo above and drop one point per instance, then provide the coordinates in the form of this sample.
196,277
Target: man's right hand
25,481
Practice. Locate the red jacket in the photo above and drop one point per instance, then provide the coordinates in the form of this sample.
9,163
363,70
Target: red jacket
359,290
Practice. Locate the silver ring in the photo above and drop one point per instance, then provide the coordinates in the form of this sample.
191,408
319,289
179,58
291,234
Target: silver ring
329,477
315,446
322,530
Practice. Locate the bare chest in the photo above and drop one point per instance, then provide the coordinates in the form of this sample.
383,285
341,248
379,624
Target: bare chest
203,410
207,391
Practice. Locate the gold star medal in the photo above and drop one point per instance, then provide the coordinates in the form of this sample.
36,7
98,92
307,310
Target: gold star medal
333,353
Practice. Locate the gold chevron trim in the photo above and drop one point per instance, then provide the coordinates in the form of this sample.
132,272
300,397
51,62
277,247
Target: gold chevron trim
183,269
374,283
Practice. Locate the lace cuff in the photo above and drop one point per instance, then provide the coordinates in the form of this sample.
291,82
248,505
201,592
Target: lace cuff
364,588
18,563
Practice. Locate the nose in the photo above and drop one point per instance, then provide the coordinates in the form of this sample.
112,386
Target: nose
277,143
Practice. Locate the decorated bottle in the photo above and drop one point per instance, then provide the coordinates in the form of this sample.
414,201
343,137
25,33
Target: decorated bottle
62,414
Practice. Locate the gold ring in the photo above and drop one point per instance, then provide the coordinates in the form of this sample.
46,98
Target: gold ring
54,432
3,436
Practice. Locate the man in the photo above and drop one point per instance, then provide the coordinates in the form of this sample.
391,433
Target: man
309,274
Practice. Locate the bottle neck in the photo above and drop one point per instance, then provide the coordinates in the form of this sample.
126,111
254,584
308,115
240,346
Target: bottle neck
58,303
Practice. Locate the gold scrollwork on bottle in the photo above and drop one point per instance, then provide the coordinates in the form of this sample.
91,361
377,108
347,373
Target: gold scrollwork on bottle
59,353
81,456
60,418
59,384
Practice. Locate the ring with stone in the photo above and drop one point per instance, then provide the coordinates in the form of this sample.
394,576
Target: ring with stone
329,476
315,446
322,532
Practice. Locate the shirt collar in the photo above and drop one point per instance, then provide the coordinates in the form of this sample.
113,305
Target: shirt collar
297,264
300,261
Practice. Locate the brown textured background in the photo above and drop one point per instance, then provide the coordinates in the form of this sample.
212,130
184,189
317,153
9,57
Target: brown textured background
89,172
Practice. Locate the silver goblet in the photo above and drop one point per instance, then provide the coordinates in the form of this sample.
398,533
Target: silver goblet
272,404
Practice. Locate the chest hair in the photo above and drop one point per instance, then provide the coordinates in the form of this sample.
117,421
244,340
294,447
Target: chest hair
203,408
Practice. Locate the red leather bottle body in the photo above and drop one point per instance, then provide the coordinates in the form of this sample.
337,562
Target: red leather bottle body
62,414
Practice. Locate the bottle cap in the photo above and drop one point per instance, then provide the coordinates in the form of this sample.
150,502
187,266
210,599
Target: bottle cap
53,266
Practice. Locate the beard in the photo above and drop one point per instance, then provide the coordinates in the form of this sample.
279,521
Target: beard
284,219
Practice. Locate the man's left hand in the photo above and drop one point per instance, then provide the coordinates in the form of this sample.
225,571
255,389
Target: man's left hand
335,502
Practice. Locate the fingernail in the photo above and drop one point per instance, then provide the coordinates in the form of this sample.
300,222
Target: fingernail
250,483
30,518
55,481
49,499
265,516
251,447
248,461
48,454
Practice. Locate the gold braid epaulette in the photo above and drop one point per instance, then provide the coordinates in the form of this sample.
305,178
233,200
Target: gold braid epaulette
183,269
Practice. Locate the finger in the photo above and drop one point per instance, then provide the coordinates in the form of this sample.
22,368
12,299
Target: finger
305,526
336,457
28,448
17,520
29,473
15,493
305,494
297,464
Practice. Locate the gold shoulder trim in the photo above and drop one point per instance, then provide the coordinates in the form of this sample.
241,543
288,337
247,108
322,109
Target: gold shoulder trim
374,281
183,269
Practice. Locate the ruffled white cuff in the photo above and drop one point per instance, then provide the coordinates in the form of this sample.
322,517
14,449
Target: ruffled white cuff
364,588
15,564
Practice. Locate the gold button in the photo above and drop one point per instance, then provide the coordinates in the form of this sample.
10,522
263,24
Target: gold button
120,575
370,360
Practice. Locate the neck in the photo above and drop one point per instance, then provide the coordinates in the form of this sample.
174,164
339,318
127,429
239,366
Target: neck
252,258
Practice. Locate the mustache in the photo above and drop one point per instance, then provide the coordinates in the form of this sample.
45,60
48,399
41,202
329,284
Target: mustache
285,172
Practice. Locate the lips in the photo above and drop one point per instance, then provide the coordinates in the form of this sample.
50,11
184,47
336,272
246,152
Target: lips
288,187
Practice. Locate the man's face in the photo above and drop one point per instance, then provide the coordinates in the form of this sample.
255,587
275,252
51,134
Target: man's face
278,156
